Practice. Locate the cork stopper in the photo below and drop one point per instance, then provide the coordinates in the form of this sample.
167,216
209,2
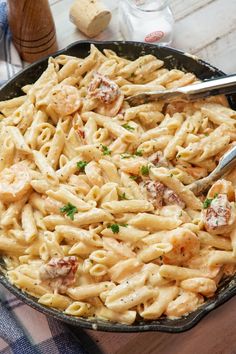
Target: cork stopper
90,16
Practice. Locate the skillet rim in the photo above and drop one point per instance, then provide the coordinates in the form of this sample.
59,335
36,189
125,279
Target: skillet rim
228,288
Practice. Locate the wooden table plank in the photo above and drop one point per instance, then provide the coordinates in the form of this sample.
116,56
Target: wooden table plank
221,53
182,8
197,30
209,32
206,28
215,334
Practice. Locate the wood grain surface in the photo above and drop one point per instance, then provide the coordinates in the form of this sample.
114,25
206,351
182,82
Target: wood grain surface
214,334
32,28
206,28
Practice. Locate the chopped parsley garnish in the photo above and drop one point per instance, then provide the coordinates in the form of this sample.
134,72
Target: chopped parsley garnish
69,210
145,170
171,175
207,201
81,165
122,196
128,127
105,150
114,228
138,153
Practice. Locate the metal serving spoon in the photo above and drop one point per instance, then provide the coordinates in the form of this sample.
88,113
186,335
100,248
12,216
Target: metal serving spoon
225,85
226,163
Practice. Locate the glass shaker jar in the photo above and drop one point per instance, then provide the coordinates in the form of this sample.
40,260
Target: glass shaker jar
148,21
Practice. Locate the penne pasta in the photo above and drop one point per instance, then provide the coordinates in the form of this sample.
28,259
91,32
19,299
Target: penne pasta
96,214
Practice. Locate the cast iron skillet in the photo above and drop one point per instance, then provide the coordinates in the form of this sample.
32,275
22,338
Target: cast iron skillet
131,50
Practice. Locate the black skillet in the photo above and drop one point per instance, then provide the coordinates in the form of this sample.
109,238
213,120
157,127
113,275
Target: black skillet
173,59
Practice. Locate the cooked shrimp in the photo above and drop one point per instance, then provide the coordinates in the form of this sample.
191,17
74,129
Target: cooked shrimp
59,273
185,245
101,87
204,286
200,261
183,304
219,217
222,187
111,109
65,99
14,182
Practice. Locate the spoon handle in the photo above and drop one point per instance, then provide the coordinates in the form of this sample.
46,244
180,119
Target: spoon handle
223,85
226,163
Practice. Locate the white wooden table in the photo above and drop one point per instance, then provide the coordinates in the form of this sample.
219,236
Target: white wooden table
207,29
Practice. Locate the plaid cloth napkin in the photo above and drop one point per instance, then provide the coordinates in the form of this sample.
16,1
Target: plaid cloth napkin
10,62
24,330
